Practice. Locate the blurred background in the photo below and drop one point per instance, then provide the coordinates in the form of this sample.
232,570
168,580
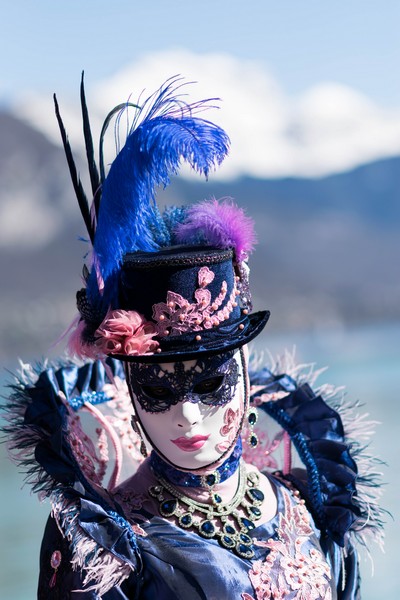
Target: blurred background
311,99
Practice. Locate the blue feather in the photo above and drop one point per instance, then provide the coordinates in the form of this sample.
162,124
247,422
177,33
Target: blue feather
164,133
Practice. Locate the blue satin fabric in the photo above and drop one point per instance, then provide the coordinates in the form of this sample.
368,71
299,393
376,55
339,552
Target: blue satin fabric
188,566
69,583
109,531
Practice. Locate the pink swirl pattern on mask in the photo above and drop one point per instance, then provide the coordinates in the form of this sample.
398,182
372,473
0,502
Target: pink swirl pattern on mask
229,429
177,315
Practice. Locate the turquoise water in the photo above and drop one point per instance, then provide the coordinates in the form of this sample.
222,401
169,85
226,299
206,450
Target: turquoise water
366,360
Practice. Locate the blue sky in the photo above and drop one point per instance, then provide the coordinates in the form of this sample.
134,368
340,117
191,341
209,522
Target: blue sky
45,44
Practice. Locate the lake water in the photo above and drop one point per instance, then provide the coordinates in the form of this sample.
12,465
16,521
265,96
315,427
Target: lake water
366,360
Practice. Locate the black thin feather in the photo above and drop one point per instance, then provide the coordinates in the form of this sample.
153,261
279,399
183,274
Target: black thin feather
117,109
76,182
93,171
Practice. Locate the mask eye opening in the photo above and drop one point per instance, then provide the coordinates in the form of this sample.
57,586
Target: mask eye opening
209,385
156,392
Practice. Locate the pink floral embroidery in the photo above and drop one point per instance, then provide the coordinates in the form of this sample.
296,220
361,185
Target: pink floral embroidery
262,455
177,315
126,332
301,574
93,464
92,453
229,429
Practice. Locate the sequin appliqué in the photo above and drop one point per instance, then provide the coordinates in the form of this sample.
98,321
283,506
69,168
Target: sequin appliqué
293,568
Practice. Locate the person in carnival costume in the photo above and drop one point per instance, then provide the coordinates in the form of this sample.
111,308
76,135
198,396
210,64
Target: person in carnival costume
216,510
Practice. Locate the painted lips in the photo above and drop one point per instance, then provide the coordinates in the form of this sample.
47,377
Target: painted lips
191,444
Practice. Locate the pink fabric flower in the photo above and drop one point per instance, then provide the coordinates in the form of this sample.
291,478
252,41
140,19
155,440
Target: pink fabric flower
126,332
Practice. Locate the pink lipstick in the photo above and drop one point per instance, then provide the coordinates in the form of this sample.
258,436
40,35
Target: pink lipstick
191,444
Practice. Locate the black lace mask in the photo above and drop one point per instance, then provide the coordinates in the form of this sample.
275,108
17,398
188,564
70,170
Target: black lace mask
211,380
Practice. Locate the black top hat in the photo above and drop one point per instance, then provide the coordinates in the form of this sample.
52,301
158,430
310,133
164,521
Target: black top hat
192,296
147,298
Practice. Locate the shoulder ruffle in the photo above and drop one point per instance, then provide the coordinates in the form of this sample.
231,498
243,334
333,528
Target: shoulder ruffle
102,543
341,485
46,439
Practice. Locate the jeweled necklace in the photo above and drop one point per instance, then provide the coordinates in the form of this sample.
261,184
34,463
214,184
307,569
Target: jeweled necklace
220,521
184,479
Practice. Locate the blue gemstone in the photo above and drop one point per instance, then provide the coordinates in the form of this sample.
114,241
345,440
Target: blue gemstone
229,529
228,541
253,441
211,479
207,527
256,511
167,508
252,418
246,539
256,494
247,523
245,550
186,520
217,499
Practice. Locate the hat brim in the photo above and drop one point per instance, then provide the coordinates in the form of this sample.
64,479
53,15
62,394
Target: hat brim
185,347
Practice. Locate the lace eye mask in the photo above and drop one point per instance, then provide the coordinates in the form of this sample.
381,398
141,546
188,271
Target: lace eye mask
211,381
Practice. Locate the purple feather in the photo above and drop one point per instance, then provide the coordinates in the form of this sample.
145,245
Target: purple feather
222,224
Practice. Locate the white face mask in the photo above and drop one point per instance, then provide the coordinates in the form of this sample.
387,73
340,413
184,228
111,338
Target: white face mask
190,411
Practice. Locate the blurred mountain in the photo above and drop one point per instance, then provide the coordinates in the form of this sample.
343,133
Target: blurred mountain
328,248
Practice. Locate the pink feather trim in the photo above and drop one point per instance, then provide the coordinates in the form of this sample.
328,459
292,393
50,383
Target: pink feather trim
222,223
76,346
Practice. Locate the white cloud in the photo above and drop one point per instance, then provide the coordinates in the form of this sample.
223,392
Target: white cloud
328,129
